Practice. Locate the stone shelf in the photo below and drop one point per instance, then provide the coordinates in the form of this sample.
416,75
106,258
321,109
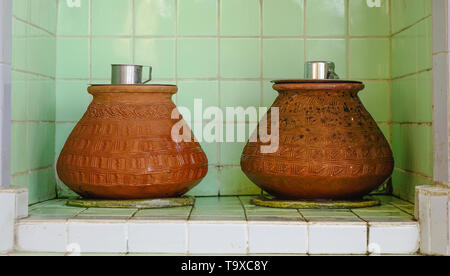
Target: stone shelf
225,225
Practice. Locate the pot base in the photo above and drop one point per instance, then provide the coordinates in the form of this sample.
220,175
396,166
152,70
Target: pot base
300,204
139,204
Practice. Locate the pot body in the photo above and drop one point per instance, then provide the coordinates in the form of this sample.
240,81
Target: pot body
330,147
122,147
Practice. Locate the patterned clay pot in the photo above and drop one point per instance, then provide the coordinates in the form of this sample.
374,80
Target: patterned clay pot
122,147
329,145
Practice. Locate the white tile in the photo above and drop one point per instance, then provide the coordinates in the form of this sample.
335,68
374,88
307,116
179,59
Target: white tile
337,238
41,237
5,124
278,238
393,239
441,122
440,25
157,237
98,237
439,225
225,238
7,214
22,204
424,218
448,221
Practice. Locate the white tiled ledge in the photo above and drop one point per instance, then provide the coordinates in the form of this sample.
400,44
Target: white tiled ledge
216,237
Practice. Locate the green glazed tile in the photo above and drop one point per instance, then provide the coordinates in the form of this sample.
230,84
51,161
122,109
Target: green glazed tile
107,51
21,9
110,212
154,17
55,211
376,97
43,13
230,153
41,106
41,51
61,203
404,184
209,186
366,20
283,58
412,98
205,92
331,50
158,53
240,18
63,191
42,185
165,212
73,20
240,58
197,17
326,213
19,96
20,180
382,214
111,17
326,17
62,133
269,94
20,45
243,94
369,58
386,130
283,18
19,149
197,58
72,58
412,49
72,100
218,202
407,12
41,145
413,148
234,182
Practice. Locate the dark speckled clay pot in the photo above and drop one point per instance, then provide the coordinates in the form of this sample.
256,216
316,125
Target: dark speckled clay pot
330,146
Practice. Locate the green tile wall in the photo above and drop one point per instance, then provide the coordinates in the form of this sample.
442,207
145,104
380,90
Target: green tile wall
412,95
33,97
225,52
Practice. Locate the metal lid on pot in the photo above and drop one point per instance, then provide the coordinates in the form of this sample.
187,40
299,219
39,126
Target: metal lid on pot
318,72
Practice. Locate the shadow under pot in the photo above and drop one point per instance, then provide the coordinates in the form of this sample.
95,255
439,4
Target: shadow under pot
122,148
330,147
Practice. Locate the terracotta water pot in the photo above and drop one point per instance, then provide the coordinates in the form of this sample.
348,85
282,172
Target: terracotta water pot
329,145
122,148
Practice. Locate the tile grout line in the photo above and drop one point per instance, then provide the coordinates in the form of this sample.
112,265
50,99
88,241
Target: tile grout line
367,230
34,25
411,26
247,229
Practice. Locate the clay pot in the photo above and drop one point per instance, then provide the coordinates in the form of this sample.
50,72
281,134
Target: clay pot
122,147
329,145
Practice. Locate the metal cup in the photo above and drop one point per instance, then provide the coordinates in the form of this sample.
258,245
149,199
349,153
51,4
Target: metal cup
320,70
128,74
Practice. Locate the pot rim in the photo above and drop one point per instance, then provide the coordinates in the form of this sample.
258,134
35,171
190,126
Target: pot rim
133,88
313,81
